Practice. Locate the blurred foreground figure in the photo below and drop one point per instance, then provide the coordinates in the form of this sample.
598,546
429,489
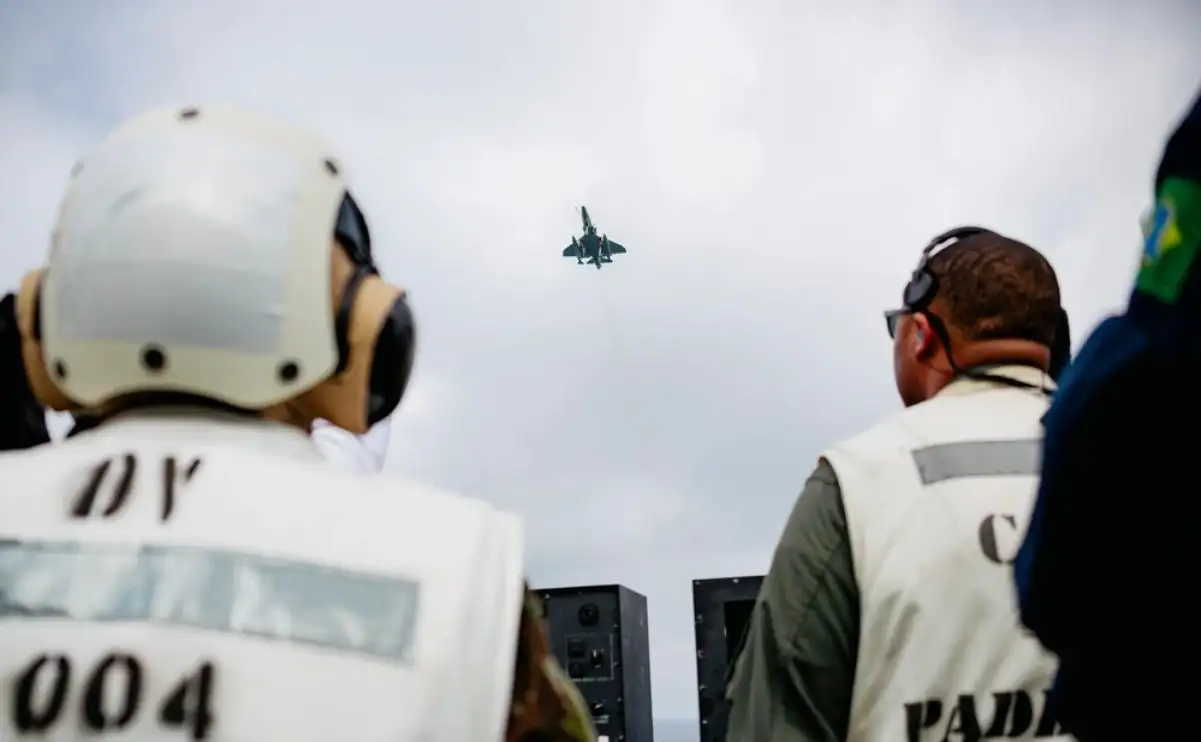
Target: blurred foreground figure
1113,540
888,613
191,567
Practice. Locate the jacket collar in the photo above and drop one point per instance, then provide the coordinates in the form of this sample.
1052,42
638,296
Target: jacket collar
962,384
209,427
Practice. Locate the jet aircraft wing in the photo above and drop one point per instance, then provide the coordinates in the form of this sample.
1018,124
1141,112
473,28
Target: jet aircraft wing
570,251
615,248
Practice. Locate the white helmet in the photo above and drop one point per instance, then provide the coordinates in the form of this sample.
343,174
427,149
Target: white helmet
192,254
215,253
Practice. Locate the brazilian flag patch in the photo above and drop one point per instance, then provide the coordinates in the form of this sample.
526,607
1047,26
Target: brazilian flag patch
1171,240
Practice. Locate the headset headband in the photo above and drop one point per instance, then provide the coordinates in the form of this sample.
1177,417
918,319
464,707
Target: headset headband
923,285
944,240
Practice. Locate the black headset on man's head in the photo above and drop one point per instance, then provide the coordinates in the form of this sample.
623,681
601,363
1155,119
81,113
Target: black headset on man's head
923,287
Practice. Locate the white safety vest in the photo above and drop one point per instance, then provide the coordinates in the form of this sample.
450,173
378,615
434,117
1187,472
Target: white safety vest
937,499
187,577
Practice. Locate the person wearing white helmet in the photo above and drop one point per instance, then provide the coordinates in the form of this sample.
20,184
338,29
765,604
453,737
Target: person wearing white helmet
192,566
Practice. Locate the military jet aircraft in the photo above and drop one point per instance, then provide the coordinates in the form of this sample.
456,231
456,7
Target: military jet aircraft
591,248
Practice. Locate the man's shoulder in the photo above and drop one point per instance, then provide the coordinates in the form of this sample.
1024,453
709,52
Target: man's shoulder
376,492
887,435
1008,414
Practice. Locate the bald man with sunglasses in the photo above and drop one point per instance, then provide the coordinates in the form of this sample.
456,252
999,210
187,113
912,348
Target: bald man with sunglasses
888,612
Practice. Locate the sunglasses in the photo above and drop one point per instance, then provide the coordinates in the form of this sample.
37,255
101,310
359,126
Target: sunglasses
892,318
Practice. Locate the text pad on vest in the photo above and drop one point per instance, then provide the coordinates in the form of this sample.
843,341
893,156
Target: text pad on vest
937,498
155,590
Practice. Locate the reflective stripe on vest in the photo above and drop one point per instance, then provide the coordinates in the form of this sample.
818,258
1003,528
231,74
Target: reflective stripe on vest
977,459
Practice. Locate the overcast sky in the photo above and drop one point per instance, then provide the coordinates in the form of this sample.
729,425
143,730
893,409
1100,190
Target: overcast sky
773,167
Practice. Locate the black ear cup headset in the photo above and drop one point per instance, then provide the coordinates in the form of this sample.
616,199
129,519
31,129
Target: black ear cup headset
392,362
923,287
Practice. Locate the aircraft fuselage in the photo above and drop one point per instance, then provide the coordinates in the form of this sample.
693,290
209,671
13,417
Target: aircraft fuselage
590,247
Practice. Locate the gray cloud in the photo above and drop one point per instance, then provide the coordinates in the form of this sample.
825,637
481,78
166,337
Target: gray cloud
773,168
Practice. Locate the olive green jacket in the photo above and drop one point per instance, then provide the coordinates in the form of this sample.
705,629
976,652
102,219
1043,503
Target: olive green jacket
794,673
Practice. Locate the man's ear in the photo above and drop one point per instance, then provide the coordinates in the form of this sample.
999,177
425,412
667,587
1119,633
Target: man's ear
925,342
